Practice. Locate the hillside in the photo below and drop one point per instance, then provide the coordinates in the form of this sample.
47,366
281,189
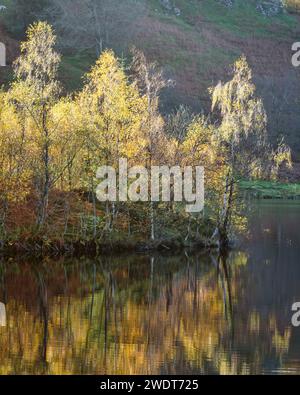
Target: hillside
196,41
12,50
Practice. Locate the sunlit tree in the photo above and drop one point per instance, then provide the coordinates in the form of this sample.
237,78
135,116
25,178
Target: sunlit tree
34,92
112,113
241,139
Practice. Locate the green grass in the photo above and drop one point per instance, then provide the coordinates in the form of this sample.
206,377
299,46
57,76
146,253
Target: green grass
243,19
73,68
270,189
6,3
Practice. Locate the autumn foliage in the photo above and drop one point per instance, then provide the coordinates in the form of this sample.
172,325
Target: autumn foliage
52,144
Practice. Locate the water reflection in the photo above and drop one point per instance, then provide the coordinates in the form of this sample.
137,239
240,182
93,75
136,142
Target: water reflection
148,315
2,314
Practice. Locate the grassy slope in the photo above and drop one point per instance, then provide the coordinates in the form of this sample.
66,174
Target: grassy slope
197,48
244,19
197,16
198,20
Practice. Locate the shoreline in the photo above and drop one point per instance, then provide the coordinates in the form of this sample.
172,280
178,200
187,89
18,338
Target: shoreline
94,248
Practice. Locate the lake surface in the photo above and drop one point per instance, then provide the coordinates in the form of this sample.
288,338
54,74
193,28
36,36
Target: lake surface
150,315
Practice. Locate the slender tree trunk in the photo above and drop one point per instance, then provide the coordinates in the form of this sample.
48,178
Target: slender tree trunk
129,221
3,221
108,217
223,228
94,209
152,221
46,177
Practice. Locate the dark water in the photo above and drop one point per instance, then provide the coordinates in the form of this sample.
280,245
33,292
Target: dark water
151,315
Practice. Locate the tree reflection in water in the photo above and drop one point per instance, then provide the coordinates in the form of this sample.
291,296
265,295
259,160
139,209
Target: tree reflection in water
134,315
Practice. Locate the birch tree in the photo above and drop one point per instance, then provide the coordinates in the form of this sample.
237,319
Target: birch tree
34,93
112,114
242,140
151,82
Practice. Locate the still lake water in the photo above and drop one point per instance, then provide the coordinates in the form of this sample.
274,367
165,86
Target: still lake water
152,315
